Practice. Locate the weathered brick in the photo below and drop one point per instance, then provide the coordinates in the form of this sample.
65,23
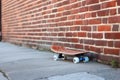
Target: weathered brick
79,46
89,41
94,7
118,2
81,34
113,11
74,40
94,21
97,35
60,34
115,28
112,35
100,43
83,9
104,28
85,28
105,20
117,44
72,1
112,51
110,43
69,34
78,22
75,28
95,49
118,10
109,4
61,9
91,1
103,13
115,19
71,17
94,14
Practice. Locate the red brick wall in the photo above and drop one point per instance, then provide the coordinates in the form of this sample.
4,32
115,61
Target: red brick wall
92,25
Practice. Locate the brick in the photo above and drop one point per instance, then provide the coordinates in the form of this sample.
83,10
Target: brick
76,5
83,9
94,21
105,20
54,10
89,41
81,41
87,15
68,7
83,3
111,51
113,11
100,43
117,44
103,13
94,14
69,23
115,28
71,17
112,35
61,9
95,49
63,18
74,40
86,47
58,14
94,28
94,7
75,28
97,35
77,16
104,28
115,19
110,43
74,11
81,34
75,34
69,34
67,13
118,10
72,1
78,22
118,2
91,1
79,46
102,0
60,34
85,28
109,4
89,35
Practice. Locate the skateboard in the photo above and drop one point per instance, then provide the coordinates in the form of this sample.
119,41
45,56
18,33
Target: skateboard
63,53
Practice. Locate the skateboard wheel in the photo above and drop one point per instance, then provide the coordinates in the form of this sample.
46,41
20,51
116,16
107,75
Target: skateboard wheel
56,57
85,59
76,60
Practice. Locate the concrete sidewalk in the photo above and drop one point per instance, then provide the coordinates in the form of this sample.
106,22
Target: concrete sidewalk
20,63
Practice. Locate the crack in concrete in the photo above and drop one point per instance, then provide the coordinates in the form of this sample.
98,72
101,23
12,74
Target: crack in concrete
42,78
4,74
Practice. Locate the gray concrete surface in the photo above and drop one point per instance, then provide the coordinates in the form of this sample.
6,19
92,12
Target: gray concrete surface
2,77
21,63
77,76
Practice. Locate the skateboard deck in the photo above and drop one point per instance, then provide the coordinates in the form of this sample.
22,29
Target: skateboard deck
60,50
